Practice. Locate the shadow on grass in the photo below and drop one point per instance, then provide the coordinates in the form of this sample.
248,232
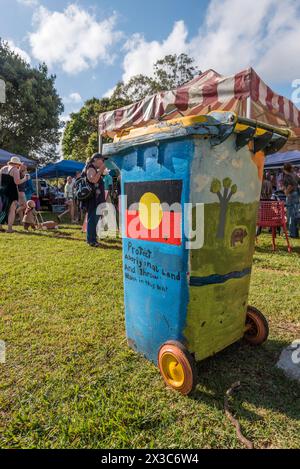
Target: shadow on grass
71,227
50,234
104,244
262,384
112,240
118,247
279,249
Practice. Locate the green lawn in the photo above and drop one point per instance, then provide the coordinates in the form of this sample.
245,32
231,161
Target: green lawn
71,381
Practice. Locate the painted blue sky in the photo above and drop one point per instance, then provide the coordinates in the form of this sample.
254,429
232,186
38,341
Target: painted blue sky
91,44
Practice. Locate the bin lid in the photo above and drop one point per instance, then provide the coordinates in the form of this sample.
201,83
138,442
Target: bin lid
218,126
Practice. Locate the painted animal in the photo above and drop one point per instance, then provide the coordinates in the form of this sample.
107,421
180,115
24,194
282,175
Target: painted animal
238,236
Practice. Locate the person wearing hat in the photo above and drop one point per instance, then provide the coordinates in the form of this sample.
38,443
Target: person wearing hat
9,180
94,169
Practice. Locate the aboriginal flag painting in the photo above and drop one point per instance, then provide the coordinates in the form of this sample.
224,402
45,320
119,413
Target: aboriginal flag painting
154,211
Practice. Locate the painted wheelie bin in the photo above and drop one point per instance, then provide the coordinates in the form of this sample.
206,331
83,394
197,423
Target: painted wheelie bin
190,194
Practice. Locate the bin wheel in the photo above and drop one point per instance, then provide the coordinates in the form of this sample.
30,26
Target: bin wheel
177,367
257,327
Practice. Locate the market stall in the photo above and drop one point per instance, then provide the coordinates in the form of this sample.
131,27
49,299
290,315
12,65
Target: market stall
63,168
52,198
5,156
277,160
244,93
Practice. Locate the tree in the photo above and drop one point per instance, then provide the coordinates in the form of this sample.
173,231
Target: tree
80,138
174,70
30,117
229,191
169,73
137,88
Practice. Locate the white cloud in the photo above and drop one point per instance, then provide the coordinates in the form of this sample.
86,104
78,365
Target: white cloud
22,53
64,118
73,98
73,39
109,93
264,34
141,54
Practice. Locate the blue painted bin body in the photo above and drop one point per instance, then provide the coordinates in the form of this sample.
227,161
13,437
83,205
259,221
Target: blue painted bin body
155,303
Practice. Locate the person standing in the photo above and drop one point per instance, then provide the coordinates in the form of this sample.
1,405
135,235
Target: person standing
291,190
108,184
77,203
94,169
29,189
10,179
266,188
22,195
69,196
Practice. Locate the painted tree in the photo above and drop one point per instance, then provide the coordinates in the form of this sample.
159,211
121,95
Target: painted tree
229,190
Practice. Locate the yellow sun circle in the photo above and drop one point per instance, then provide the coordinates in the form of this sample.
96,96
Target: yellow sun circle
150,211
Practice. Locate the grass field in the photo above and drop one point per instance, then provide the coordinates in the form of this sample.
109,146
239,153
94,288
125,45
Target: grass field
71,381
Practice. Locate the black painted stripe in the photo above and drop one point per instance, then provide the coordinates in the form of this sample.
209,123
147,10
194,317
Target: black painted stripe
168,191
216,279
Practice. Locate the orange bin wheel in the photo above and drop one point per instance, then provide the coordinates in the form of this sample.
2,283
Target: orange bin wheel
177,367
257,328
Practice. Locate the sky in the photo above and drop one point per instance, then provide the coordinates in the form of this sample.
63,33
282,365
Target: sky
92,44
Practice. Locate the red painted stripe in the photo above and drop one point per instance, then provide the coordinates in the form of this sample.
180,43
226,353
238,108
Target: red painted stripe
210,93
281,105
269,98
255,80
291,116
168,232
118,117
182,100
241,85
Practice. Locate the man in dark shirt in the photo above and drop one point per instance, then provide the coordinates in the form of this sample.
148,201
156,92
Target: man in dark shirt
291,189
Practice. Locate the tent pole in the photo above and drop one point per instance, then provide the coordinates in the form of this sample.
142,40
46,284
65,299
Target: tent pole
37,181
248,107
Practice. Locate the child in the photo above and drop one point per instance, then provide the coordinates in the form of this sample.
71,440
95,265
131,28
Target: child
29,219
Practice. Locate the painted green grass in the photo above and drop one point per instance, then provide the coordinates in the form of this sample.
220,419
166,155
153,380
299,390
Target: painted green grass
71,381
217,255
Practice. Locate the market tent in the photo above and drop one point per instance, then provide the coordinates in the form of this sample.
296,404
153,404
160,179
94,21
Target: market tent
5,156
63,168
244,93
277,160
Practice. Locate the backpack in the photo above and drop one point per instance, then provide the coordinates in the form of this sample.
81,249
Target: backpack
83,189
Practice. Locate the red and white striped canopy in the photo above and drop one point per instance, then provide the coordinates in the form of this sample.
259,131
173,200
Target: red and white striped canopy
207,92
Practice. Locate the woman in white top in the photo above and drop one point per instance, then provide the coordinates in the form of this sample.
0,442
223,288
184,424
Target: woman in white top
69,196
9,180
